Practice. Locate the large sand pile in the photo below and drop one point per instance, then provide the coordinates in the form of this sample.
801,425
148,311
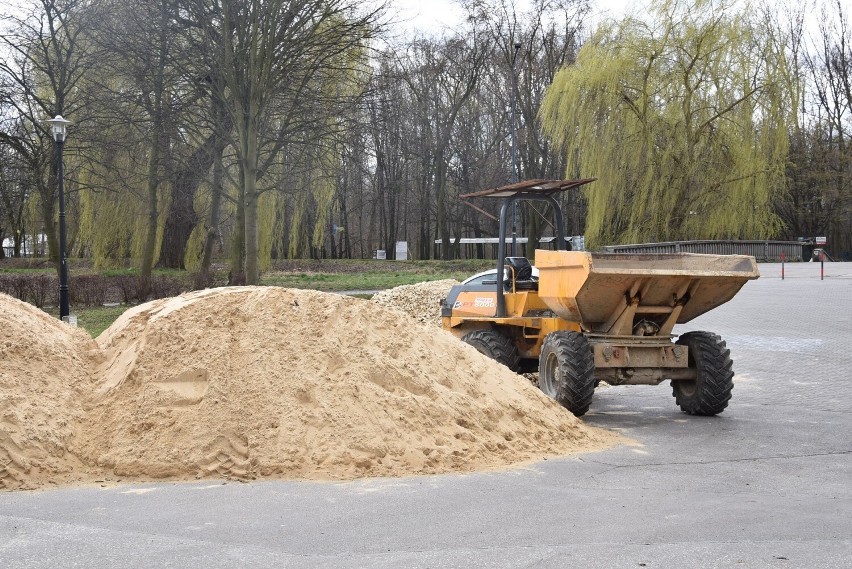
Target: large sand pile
44,373
252,382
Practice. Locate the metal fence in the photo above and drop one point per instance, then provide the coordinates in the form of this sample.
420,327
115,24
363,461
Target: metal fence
769,251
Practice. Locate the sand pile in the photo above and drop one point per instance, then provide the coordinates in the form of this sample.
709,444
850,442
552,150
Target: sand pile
44,373
253,382
421,301
250,382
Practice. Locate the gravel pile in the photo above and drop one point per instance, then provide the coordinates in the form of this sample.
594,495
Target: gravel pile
421,301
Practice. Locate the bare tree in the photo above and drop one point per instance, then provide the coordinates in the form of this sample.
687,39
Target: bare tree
15,188
43,59
268,53
829,206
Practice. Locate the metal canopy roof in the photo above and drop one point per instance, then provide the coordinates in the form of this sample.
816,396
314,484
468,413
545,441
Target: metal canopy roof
537,187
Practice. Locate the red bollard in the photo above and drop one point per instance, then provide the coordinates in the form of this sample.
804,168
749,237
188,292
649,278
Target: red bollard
782,265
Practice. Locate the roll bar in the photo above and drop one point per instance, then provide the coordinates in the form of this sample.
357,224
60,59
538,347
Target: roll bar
501,245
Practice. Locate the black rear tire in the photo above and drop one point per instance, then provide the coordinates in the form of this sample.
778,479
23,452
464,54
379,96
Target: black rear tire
494,345
710,392
567,370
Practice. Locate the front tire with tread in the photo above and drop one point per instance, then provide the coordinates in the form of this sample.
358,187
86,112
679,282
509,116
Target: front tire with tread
567,370
710,392
495,345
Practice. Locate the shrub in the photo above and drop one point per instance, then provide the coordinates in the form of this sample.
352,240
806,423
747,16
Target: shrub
89,290
164,286
127,287
202,279
43,290
19,285
6,285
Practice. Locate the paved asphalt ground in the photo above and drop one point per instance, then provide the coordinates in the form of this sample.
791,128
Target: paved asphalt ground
768,483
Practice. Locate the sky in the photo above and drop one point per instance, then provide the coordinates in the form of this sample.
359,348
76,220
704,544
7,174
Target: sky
435,14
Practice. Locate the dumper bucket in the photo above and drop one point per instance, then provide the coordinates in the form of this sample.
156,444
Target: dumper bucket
610,292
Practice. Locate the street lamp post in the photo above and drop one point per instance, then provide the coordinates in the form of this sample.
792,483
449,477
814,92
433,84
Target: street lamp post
517,47
58,127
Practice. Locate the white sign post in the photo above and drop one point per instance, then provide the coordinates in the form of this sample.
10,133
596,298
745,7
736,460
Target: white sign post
402,250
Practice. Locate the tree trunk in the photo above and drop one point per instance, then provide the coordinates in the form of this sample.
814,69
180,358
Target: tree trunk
48,217
150,244
158,112
216,193
346,250
238,250
182,217
249,160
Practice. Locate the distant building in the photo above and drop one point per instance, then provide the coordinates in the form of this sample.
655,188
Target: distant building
29,248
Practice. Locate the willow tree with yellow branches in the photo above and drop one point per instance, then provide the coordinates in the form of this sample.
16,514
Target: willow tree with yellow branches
683,118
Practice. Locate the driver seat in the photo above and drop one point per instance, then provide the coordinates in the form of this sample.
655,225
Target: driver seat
522,268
